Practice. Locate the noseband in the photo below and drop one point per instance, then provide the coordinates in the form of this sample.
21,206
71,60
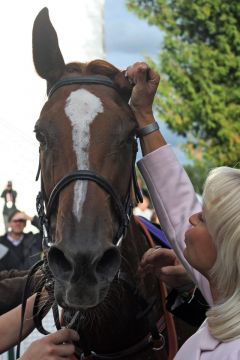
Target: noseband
124,209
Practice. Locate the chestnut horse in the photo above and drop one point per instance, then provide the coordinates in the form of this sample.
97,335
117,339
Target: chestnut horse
86,132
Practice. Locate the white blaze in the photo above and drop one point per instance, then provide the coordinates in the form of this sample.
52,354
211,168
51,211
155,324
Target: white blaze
81,108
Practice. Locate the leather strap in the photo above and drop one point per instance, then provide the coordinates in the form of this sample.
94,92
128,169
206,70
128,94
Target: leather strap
93,79
147,342
171,329
148,129
91,176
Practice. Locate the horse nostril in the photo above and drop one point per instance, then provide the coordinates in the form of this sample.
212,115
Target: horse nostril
108,264
59,264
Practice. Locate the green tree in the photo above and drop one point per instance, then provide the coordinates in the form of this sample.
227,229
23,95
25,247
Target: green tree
197,173
199,95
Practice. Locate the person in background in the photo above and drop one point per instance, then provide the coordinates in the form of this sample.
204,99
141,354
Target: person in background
154,218
206,237
19,250
143,209
9,195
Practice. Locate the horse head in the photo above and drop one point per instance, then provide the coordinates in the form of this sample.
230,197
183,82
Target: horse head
86,133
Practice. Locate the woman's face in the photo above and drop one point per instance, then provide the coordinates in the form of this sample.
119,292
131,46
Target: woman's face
200,250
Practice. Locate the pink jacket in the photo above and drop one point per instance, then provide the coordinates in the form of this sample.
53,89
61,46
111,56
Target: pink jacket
175,201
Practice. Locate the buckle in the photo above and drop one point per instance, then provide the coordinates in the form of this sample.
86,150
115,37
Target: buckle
91,356
157,344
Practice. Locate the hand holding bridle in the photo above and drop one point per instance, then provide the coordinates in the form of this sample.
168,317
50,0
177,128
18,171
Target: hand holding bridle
164,264
56,346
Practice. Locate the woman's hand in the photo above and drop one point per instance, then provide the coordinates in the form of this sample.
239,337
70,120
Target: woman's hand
165,265
145,82
56,346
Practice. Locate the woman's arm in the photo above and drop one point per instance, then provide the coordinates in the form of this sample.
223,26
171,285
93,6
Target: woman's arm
59,345
10,325
170,188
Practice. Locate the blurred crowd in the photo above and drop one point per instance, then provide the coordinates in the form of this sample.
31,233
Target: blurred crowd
18,249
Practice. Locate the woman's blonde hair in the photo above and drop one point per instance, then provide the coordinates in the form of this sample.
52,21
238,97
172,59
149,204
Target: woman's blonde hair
221,210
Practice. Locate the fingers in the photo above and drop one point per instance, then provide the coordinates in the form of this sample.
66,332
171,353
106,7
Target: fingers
154,77
141,73
65,350
147,269
164,264
137,73
173,270
158,257
63,336
159,262
144,83
175,276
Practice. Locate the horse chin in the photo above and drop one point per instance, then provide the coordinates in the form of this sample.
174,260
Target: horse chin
80,300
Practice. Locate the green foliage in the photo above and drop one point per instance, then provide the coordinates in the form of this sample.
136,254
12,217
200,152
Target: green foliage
197,173
199,95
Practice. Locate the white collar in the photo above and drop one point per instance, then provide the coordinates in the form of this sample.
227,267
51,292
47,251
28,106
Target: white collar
15,242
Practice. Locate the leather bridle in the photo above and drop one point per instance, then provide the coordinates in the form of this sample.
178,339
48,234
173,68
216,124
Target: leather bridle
124,209
45,209
83,79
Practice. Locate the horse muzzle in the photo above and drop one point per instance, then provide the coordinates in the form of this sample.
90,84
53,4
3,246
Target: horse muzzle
82,280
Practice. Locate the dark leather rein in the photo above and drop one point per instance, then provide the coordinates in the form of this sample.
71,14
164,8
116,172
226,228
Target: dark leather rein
123,209
46,209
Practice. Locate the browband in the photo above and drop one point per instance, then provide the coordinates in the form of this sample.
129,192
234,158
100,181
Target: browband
84,79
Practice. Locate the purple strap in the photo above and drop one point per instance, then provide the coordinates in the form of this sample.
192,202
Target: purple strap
157,232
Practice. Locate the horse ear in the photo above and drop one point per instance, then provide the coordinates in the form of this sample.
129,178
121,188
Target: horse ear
123,84
47,56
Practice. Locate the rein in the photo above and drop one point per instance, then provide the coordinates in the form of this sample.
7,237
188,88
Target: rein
155,340
45,211
170,325
124,209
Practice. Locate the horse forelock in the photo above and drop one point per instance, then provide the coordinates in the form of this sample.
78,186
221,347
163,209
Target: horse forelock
100,67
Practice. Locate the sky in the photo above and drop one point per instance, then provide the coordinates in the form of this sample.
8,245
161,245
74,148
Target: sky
129,39
86,29
22,91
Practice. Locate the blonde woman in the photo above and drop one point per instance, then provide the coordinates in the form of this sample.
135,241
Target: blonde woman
209,247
